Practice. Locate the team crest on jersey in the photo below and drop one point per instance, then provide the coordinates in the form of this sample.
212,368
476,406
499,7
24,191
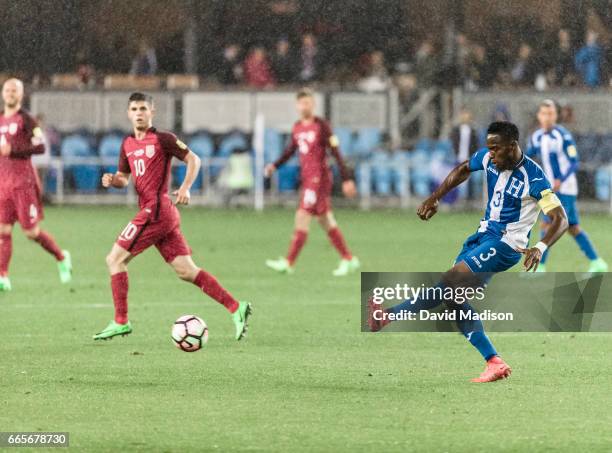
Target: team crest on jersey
12,129
139,152
150,151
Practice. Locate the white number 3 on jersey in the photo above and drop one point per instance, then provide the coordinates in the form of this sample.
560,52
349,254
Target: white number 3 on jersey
488,256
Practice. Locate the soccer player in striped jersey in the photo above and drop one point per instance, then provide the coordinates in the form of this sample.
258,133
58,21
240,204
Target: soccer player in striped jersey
517,189
556,149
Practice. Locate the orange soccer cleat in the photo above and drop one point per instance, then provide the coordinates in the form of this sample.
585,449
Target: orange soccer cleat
376,324
496,369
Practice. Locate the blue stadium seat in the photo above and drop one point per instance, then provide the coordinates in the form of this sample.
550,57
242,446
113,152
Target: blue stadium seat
345,137
86,177
420,176
288,175
231,142
368,140
424,144
602,184
444,149
400,171
381,173
202,145
273,145
109,150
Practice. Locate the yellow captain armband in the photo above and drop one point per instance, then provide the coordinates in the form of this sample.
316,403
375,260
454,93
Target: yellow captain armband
37,132
548,201
333,141
571,151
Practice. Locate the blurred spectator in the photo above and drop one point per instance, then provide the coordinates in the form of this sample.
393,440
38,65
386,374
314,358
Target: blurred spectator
464,136
230,69
145,62
283,62
84,69
563,60
426,65
480,72
377,76
500,112
461,57
524,69
257,70
588,61
567,117
310,63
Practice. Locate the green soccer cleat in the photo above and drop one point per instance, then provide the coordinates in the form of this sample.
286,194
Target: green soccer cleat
5,284
598,265
280,265
113,329
65,267
240,318
347,267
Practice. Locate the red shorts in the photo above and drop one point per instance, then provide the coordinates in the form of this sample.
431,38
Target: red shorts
22,205
316,200
165,234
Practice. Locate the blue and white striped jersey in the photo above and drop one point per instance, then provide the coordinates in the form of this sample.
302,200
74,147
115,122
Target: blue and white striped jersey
557,151
514,198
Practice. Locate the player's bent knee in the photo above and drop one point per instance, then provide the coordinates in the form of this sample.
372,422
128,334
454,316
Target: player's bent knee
574,230
32,234
6,229
185,268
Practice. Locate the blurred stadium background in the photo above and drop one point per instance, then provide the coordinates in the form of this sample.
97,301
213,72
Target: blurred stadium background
399,80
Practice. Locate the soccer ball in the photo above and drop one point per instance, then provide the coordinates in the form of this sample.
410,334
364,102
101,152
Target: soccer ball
189,333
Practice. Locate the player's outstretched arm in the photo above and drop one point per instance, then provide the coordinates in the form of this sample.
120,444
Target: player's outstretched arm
118,180
430,206
558,225
193,168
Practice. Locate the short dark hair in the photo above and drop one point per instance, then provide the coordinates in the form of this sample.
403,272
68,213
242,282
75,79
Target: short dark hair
138,96
505,129
304,93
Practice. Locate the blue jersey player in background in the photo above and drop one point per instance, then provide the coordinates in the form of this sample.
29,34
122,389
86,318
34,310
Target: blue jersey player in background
556,149
517,189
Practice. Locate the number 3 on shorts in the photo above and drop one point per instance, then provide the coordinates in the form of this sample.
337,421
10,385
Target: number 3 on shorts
128,232
492,253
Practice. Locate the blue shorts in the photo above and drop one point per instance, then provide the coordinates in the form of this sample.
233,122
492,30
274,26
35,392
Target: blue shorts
569,204
483,252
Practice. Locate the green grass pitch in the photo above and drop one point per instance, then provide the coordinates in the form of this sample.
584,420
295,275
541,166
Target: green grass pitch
305,378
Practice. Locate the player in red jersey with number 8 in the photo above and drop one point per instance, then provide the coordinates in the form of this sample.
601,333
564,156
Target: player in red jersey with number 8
146,155
20,191
312,137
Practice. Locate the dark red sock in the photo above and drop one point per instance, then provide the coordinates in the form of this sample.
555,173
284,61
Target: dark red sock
297,242
48,243
336,238
119,286
213,289
6,250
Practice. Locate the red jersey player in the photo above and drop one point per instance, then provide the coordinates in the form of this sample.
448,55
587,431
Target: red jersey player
20,192
312,136
146,155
